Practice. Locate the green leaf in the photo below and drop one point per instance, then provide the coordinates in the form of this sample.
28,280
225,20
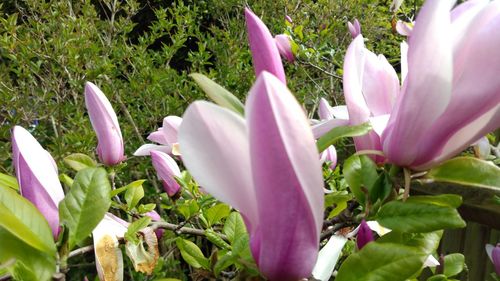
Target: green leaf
28,259
134,194
22,219
146,208
381,188
85,204
216,213
192,254
213,237
224,262
342,132
218,94
188,208
66,180
381,262
453,264
439,277
448,200
360,172
234,227
125,188
466,171
79,161
418,217
425,242
134,227
8,181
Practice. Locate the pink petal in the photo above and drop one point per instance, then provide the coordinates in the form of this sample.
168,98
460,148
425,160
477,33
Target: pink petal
324,127
284,46
145,149
475,89
167,169
38,180
404,28
288,181
380,84
324,110
427,87
158,137
265,54
330,154
170,128
214,146
105,123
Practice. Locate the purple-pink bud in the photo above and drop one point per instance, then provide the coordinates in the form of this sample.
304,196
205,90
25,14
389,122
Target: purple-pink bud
365,235
156,217
265,54
105,123
167,169
288,19
494,254
354,28
37,176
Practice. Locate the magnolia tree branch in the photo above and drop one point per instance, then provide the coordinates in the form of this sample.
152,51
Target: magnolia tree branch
183,230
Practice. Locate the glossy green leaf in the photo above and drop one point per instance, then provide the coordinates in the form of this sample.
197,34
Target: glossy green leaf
8,181
85,204
23,220
125,188
79,161
224,262
188,208
216,213
218,94
466,171
439,277
424,242
133,195
192,254
418,217
136,226
360,173
27,259
381,262
453,264
342,132
234,227
449,200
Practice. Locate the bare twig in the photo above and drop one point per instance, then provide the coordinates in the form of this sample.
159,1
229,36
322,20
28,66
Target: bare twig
81,251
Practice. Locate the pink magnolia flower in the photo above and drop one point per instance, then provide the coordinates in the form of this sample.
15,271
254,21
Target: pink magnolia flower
105,123
167,170
354,28
166,136
370,88
283,42
37,175
265,53
450,96
267,167
364,236
494,255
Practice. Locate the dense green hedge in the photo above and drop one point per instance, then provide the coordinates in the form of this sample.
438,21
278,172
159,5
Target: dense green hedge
140,52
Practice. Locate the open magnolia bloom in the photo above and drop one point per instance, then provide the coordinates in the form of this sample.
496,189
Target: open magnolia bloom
450,93
105,123
37,176
166,136
267,167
